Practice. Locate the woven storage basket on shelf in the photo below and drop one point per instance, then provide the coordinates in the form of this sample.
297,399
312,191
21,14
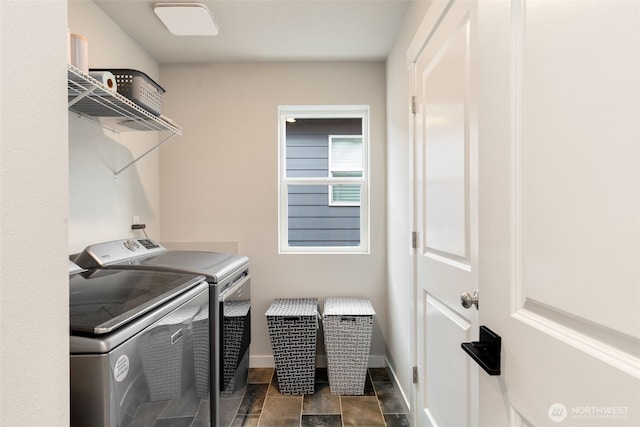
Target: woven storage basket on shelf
139,88
293,328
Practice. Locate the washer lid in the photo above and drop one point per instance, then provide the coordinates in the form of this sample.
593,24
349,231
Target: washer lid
101,301
74,268
214,266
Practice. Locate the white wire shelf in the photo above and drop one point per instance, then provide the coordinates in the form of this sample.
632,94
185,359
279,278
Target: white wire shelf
94,101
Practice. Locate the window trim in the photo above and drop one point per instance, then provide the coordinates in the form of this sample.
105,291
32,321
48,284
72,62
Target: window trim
322,111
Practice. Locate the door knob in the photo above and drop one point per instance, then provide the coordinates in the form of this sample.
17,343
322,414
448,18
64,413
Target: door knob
467,300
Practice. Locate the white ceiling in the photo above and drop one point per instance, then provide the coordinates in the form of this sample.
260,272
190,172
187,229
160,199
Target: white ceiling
268,30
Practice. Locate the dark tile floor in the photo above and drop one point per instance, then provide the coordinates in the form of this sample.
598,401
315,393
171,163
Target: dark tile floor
264,405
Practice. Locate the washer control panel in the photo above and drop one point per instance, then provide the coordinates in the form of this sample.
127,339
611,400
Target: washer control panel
102,254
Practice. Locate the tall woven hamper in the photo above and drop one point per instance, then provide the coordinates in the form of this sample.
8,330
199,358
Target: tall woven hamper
293,329
348,326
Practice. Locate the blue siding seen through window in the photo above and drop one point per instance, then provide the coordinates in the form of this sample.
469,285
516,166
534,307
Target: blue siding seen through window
312,221
307,156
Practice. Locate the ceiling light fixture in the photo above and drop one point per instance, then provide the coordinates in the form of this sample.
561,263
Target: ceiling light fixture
186,19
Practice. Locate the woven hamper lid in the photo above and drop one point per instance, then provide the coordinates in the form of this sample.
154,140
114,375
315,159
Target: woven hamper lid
348,306
293,307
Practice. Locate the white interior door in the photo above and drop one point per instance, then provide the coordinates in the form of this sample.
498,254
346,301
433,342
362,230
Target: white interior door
445,201
559,185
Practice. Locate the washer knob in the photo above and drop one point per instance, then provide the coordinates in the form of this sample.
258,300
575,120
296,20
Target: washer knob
132,245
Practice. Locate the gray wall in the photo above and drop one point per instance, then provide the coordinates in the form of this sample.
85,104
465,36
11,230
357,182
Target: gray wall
34,287
34,193
219,181
101,206
399,157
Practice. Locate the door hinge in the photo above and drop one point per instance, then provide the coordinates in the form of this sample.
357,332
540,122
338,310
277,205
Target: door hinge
413,105
414,239
415,375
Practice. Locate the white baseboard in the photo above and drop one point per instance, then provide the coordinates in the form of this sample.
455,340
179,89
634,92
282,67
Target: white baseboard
261,362
405,400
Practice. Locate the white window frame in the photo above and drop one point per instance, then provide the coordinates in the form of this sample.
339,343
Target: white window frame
322,111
